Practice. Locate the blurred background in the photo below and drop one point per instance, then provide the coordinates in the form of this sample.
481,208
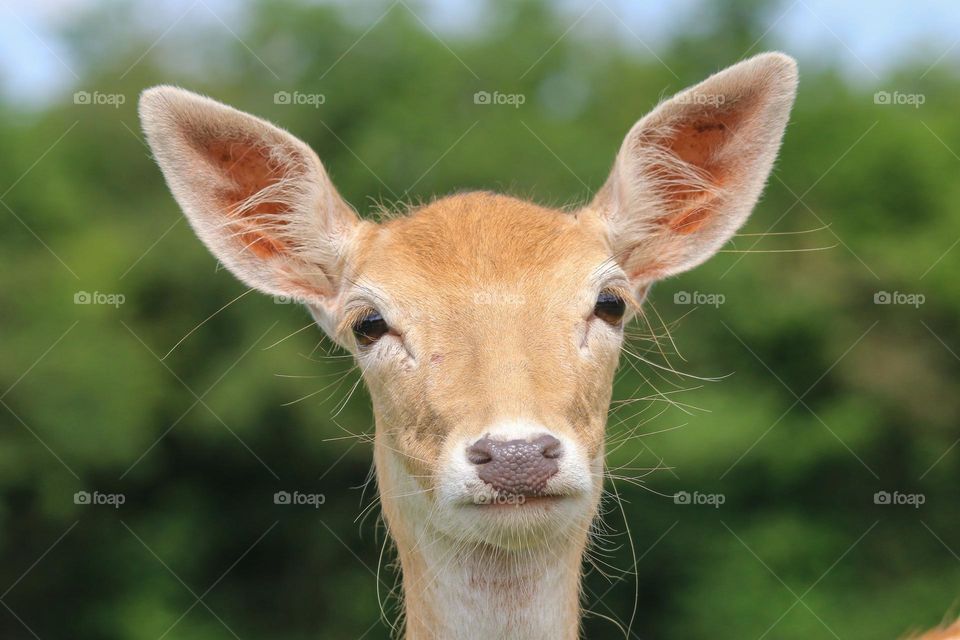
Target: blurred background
800,481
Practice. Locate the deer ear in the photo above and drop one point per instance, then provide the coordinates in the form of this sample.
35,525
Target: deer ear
689,173
258,197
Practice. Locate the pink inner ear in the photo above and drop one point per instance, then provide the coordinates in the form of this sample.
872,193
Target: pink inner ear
696,142
701,139
249,170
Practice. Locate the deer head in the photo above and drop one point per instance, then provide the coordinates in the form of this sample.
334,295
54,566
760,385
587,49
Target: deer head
488,329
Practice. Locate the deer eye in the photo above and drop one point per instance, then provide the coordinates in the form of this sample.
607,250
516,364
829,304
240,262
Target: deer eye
370,328
610,307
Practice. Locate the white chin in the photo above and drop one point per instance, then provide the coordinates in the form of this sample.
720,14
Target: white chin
515,521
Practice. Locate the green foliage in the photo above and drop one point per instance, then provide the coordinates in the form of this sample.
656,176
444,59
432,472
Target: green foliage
248,404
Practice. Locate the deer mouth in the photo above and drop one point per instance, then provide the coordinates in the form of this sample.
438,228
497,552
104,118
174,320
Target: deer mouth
500,500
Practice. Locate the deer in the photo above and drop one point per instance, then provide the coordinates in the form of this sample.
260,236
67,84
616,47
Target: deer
487,328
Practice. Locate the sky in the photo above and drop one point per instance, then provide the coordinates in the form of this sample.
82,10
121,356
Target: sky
865,38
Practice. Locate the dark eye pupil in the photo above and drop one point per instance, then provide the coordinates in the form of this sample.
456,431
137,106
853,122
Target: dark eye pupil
610,307
370,328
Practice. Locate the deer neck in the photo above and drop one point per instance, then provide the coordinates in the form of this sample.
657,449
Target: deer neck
457,591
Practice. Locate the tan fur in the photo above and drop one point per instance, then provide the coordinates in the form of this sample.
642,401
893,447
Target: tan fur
946,633
489,302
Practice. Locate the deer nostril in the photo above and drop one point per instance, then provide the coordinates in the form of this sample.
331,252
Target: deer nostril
550,447
478,453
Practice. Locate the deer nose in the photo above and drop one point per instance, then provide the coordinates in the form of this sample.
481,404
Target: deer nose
518,467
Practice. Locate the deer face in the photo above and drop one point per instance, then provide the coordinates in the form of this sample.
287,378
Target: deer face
487,328
495,331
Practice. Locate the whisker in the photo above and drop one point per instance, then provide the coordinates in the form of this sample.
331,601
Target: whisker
203,322
807,250
783,233
312,324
